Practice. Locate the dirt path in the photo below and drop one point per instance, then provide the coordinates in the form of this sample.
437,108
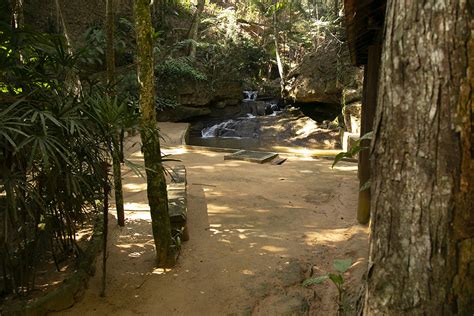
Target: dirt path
256,232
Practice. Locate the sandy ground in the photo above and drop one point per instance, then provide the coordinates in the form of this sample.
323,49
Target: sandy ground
257,231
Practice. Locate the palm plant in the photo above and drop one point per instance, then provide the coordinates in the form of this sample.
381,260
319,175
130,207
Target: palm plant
111,115
51,161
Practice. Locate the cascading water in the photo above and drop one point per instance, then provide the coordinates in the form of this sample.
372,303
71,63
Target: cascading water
247,124
226,129
240,131
250,95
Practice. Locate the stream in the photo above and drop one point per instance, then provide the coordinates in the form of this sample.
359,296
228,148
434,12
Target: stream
264,125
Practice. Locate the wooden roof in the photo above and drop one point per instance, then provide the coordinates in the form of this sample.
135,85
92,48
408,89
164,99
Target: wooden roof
364,24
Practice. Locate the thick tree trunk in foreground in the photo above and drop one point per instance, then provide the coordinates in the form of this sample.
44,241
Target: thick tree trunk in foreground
156,184
422,229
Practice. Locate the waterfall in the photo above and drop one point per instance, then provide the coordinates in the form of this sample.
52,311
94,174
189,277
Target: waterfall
250,95
247,124
224,129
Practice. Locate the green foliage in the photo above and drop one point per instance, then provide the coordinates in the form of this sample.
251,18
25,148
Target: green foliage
170,75
92,52
341,266
173,69
54,143
165,103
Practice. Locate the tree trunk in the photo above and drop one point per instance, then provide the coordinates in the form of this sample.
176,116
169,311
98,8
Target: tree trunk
73,82
110,52
281,70
116,148
105,230
193,30
422,231
156,184
18,18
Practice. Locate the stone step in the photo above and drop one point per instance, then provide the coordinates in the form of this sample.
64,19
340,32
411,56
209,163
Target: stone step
252,156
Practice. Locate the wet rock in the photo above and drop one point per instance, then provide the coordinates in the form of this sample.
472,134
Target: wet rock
256,108
181,113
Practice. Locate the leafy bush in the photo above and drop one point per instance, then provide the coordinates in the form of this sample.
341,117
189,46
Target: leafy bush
52,154
92,53
170,75
173,69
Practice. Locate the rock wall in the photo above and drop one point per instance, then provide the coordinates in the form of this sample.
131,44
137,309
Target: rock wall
201,99
325,78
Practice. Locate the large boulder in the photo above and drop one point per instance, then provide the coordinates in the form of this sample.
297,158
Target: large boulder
194,94
201,94
321,76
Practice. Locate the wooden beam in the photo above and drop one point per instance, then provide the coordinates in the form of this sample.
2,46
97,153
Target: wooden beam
369,103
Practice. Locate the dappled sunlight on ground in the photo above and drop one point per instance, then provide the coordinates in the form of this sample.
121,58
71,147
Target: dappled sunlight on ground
255,229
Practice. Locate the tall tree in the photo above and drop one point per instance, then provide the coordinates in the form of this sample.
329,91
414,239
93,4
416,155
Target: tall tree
276,34
18,18
116,147
156,183
193,30
422,232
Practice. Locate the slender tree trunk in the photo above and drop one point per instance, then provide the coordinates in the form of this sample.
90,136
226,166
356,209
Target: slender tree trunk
422,223
117,180
159,7
156,184
193,30
110,61
105,229
73,82
281,70
117,146
18,18
110,51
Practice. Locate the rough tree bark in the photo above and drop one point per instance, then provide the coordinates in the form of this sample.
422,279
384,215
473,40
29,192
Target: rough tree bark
193,30
156,184
422,231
